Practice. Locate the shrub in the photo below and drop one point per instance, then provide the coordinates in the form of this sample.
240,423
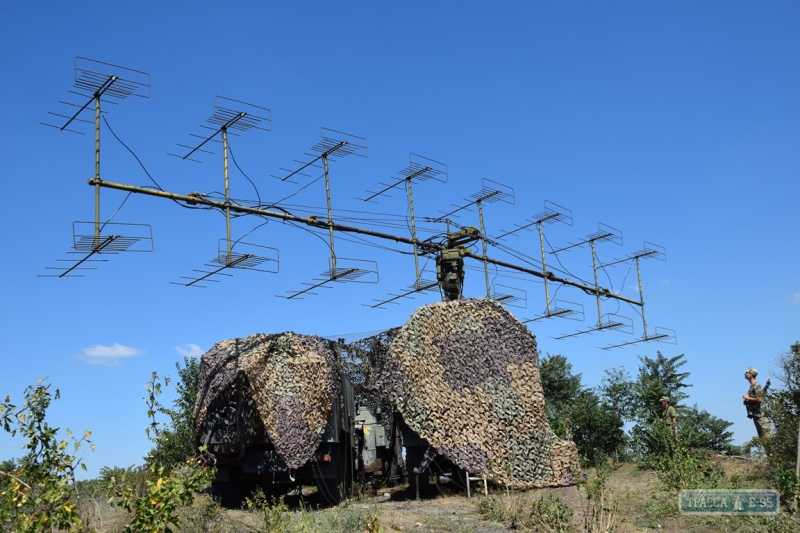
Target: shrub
40,492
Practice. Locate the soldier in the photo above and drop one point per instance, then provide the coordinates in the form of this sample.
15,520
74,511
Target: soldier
753,400
668,416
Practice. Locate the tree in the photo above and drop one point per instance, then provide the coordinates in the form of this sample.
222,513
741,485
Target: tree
560,385
659,377
176,438
167,487
40,492
701,430
577,413
637,400
783,407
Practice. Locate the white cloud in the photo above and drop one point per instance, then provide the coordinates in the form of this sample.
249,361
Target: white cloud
107,355
796,298
191,350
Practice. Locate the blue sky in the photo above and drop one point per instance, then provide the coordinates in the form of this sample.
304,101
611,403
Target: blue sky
676,123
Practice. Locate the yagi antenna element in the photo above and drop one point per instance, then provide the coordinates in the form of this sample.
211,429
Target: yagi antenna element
96,82
228,117
421,169
333,144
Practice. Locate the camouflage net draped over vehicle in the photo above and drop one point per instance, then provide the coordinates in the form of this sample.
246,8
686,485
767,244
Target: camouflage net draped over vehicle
465,376
363,360
291,380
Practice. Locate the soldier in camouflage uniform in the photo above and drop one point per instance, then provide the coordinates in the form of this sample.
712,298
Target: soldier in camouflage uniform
669,416
753,400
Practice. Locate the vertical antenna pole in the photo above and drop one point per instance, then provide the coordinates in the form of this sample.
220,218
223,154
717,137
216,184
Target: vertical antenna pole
330,213
483,241
596,286
227,194
418,283
96,170
544,268
641,296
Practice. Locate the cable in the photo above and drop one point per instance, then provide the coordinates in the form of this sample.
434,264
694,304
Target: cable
623,284
132,153
117,211
301,188
249,232
560,263
230,149
157,186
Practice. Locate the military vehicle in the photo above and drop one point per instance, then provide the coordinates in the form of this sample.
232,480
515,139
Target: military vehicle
354,444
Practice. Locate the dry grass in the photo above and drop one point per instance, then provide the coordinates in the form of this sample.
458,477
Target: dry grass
634,500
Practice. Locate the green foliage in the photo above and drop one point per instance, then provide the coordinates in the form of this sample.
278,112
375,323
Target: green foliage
177,442
39,492
783,406
274,512
699,429
166,490
577,413
789,486
543,514
560,385
638,401
599,513
166,487
677,465
659,377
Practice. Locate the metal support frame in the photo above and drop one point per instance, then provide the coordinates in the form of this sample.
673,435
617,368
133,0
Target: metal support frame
428,247
330,215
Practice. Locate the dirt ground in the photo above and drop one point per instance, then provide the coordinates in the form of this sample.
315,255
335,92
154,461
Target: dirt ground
636,494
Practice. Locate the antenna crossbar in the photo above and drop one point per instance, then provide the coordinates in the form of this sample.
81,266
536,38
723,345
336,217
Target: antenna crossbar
658,336
98,248
410,177
314,222
326,153
228,264
424,286
602,327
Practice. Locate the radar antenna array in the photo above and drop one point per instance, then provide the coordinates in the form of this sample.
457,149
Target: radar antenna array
99,82
333,144
665,335
491,192
604,233
552,214
229,114
421,169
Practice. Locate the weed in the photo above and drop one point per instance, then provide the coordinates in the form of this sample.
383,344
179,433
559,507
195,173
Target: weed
39,493
599,513
543,514
789,486
273,512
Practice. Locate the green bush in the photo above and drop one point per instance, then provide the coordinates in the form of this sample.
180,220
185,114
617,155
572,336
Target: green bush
166,488
273,512
40,492
542,514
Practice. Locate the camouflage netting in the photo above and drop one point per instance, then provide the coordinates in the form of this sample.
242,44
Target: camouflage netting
362,362
289,380
465,376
